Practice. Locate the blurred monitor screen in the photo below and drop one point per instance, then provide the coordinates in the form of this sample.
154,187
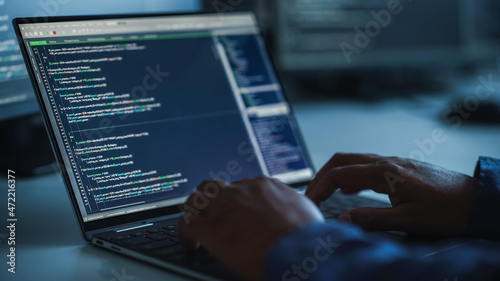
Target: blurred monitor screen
346,34
16,94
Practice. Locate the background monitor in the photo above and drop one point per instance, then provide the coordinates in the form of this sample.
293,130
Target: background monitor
408,50
354,34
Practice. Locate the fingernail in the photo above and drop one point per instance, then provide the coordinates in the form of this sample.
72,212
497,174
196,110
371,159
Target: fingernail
345,218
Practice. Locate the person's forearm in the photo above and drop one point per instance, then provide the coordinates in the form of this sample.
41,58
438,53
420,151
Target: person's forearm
485,220
335,251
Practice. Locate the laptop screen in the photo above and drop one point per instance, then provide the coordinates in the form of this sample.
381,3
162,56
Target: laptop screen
144,109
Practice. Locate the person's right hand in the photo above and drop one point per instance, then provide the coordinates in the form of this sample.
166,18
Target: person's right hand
426,199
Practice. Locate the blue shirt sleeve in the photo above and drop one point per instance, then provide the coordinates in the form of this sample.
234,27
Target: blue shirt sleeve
337,251
485,220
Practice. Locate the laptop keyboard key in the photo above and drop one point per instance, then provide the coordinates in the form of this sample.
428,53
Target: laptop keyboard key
172,232
170,226
119,237
157,245
136,241
158,236
154,230
138,233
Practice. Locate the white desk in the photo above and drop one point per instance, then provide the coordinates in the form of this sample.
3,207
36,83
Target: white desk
49,244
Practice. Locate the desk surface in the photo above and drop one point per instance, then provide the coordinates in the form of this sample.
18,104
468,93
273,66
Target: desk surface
49,243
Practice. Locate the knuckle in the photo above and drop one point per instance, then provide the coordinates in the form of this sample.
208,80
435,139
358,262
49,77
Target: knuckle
337,157
276,181
389,165
396,159
333,171
262,178
190,198
259,183
210,186
204,183
410,164
242,181
231,193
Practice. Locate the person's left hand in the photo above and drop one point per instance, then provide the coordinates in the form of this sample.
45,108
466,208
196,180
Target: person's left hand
239,222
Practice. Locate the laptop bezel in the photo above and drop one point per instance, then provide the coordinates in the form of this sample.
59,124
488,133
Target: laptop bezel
91,227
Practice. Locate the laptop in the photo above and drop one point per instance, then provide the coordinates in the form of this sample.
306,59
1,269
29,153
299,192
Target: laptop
140,109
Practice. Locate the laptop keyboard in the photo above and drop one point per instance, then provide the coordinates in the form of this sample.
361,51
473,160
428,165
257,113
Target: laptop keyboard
152,240
160,240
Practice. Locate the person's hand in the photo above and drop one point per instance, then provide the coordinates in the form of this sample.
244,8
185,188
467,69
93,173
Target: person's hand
426,199
239,222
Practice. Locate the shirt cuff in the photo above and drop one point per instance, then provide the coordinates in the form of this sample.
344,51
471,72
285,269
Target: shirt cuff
291,249
326,250
485,219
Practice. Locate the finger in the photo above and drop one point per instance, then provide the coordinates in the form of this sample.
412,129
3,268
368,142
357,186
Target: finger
349,192
195,209
354,178
375,219
190,226
197,202
340,160
257,181
205,192
244,182
209,186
